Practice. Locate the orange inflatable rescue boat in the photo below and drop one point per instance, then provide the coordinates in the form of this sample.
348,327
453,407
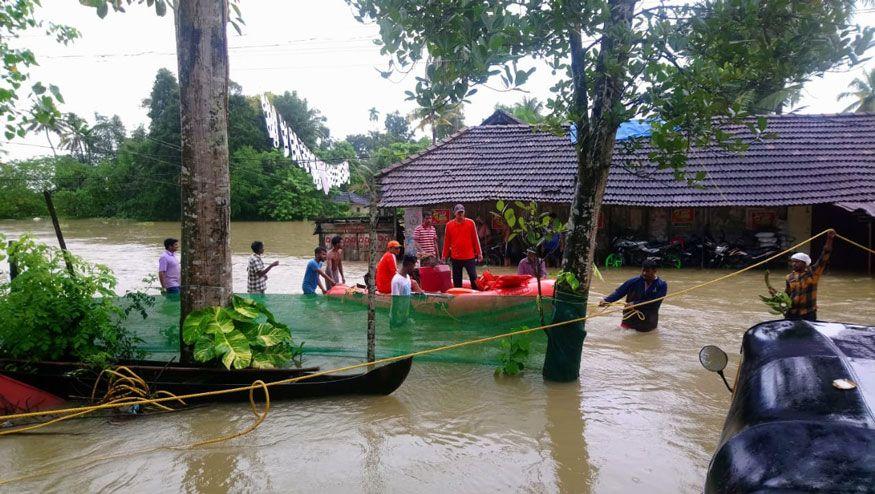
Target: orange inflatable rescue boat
496,295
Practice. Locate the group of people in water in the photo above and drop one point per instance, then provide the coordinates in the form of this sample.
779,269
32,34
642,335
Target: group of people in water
462,250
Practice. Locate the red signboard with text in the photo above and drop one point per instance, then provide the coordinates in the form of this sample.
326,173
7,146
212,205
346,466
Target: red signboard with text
441,216
683,216
761,218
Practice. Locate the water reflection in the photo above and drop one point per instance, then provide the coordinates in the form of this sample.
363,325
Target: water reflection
566,429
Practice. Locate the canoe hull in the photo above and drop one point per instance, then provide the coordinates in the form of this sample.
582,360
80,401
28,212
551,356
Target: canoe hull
76,381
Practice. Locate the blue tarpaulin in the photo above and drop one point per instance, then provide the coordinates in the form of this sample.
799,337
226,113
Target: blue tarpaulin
627,130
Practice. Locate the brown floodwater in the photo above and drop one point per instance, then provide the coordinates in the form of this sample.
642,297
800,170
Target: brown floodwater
644,415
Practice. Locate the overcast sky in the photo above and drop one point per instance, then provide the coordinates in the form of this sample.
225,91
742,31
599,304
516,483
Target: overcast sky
313,46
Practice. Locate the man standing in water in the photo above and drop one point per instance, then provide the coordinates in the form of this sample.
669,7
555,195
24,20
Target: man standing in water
335,260
168,267
314,271
802,282
256,281
402,288
640,289
462,247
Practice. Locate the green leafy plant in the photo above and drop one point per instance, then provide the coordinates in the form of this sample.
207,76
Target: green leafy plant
246,334
779,303
514,355
49,313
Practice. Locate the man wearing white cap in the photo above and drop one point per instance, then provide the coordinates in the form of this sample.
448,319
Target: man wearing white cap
802,282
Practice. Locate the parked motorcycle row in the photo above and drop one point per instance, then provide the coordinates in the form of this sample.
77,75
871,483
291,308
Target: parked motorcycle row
701,251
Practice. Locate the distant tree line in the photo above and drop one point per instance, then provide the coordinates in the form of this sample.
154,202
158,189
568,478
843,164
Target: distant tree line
102,170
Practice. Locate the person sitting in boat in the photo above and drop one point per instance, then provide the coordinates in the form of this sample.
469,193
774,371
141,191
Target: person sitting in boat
462,247
802,282
314,271
532,265
637,290
335,260
403,285
387,267
256,281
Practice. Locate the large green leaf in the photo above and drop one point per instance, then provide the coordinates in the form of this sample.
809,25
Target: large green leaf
220,322
267,335
245,308
234,349
204,349
194,325
263,361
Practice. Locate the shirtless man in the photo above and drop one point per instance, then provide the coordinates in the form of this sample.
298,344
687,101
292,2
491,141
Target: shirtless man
334,260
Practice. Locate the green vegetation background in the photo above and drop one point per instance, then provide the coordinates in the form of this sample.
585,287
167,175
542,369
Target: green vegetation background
101,170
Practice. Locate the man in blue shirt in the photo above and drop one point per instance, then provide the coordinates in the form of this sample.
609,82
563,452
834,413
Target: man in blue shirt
637,290
314,271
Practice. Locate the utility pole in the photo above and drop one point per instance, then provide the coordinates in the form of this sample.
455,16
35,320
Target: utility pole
202,55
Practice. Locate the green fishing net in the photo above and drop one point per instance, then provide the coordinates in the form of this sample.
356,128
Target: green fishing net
333,327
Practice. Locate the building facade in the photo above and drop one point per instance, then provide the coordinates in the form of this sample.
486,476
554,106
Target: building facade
807,173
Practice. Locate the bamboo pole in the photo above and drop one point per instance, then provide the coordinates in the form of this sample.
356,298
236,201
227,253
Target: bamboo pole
54,215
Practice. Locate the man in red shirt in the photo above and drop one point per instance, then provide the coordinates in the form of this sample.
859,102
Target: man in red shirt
462,246
387,267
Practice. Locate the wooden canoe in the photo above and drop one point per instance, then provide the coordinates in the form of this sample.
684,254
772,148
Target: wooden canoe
75,381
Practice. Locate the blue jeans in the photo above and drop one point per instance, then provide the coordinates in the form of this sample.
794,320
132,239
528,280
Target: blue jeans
171,290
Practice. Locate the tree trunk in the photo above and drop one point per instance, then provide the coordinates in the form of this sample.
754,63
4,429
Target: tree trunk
596,134
202,54
372,271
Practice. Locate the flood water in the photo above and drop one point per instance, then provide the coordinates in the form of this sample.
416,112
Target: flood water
644,416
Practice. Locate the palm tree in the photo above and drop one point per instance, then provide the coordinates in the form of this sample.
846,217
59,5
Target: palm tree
77,137
443,121
864,92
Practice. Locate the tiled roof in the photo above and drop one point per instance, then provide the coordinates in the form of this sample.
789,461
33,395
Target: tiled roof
813,159
349,198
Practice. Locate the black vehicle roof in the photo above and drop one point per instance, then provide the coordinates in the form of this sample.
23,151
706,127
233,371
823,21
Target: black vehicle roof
789,427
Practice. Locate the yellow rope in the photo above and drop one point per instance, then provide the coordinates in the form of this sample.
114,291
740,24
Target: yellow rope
387,360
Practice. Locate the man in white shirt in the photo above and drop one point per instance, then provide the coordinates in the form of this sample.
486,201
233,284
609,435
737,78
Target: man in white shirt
402,287
402,284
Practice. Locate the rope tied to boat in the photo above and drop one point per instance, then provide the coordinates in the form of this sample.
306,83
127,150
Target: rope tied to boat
260,417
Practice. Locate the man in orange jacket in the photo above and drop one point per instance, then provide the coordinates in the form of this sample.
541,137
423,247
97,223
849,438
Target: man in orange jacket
387,267
462,246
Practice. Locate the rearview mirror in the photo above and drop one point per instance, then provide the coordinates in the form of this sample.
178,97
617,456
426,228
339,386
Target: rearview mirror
713,358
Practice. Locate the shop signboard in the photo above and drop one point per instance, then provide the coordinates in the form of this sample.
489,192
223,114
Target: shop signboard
758,218
682,216
441,216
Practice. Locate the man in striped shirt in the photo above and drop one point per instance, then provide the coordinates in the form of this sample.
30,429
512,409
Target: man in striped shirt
425,240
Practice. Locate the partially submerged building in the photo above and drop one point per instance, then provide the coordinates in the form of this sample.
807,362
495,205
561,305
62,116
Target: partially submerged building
815,172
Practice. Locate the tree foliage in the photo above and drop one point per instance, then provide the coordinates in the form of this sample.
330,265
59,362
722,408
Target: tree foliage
50,313
773,47
529,110
863,90
307,122
17,90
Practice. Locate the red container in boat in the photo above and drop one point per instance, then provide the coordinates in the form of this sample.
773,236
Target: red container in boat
436,279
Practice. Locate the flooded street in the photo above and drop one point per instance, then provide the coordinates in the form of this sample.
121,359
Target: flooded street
644,417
